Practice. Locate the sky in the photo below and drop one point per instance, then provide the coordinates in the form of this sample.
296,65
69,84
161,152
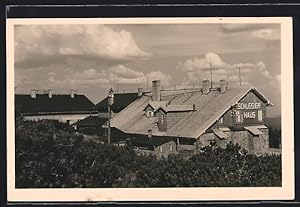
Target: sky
93,58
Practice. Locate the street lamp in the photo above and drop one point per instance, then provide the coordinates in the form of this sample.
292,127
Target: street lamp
110,100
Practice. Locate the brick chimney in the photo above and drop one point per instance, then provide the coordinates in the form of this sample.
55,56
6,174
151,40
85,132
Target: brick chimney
50,93
223,86
33,93
156,90
73,92
205,86
140,92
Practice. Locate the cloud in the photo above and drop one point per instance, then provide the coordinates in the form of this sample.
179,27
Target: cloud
233,28
124,75
267,34
261,31
92,78
198,69
74,40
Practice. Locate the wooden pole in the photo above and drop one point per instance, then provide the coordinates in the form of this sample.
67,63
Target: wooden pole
108,127
110,100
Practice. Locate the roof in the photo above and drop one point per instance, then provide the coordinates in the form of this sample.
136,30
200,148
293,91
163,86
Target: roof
91,121
57,104
144,141
209,108
174,108
121,101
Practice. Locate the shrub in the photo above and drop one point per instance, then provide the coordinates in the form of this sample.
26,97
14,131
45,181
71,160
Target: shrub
51,154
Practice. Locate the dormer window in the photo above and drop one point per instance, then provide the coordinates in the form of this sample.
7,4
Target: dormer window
162,118
149,113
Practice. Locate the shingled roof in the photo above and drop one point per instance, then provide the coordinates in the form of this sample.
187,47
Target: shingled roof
121,101
209,108
91,121
42,104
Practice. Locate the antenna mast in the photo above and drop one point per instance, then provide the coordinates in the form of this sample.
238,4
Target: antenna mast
147,84
211,82
240,76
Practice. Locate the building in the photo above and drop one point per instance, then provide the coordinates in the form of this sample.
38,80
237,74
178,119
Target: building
121,101
46,105
91,125
197,117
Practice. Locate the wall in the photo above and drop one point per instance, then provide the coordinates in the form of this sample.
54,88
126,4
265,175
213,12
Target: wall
249,116
60,117
162,122
253,144
173,118
165,149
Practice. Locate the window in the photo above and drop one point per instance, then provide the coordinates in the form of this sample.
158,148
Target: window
221,120
239,117
149,113
160,149
171,148
162,119
259,115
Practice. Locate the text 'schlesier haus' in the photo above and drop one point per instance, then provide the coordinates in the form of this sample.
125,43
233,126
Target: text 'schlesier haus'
180,121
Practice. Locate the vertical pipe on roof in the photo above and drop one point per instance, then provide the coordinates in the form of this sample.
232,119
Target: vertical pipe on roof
33,93
205,86
50,93
223,86
140,92
156,90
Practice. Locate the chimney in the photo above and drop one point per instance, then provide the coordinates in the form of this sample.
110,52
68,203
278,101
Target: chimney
156,90
73,92
205,86
50,93
223,86
33,93
140,92
194,107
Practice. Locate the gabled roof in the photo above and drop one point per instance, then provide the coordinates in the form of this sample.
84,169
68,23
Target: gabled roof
57,104
178,108
121,101
209,108
91,121
156,104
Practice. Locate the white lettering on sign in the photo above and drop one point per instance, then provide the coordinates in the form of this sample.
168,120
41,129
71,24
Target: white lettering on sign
248,106
249,115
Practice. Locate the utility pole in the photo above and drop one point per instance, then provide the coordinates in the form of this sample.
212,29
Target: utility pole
211,82
110,100
240,76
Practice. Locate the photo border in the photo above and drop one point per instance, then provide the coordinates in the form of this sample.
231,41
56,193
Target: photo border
286,192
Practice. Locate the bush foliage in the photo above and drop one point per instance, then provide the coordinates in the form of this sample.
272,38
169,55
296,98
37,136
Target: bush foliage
51,154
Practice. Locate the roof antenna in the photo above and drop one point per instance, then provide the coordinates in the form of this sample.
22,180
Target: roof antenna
240,78
147,83
211,82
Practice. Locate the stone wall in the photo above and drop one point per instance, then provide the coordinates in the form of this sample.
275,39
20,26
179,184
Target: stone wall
253,144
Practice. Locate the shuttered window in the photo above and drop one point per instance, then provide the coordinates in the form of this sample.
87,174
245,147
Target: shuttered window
239,117
259,115
162,118
171,148
160,149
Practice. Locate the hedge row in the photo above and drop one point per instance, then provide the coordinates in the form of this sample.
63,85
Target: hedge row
50,154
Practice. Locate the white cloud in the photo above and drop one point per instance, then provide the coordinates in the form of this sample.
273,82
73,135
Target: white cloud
267,34
125,72
198,69
91,40
103,78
